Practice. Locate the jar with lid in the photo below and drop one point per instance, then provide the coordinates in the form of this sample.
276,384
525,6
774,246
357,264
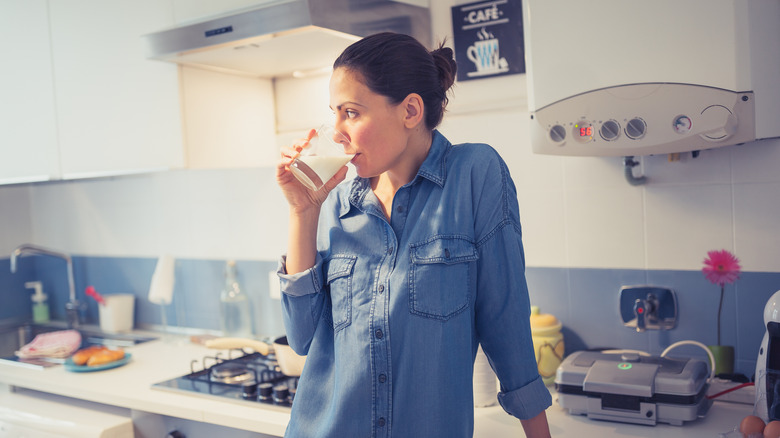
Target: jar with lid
548,343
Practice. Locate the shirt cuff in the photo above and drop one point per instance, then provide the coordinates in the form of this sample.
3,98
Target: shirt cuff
526,402
303,283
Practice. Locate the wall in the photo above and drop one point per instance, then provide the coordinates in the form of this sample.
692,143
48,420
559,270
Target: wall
587,232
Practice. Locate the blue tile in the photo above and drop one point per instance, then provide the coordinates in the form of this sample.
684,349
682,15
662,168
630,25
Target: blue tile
584,300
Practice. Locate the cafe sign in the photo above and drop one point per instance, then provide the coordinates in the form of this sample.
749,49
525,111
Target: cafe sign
488,39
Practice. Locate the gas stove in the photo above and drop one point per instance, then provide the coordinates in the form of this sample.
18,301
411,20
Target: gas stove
246,378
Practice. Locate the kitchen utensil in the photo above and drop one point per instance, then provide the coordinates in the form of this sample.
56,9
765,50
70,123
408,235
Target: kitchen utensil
232,343
91,292
290,362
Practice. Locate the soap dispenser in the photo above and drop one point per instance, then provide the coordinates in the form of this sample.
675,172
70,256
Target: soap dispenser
40,306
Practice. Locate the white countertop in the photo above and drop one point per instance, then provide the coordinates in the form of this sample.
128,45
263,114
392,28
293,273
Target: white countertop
129,387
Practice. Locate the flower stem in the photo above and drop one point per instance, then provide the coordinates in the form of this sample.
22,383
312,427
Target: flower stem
720,306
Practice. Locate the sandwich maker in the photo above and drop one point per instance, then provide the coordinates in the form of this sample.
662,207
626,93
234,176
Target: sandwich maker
631,388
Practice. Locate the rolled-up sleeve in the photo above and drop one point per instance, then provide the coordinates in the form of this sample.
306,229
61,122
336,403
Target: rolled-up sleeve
302,303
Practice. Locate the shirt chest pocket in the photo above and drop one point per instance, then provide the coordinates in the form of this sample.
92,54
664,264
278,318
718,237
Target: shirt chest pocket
339,280
440,276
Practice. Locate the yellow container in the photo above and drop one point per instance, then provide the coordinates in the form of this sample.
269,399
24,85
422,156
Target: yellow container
548,343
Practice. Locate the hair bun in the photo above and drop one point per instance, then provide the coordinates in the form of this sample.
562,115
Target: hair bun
445,63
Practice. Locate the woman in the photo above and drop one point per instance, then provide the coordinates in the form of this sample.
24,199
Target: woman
392,280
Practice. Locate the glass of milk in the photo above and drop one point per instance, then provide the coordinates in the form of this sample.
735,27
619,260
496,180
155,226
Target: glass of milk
323,157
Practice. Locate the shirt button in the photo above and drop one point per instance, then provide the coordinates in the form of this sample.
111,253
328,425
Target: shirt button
382,378
446,253
381,288
378,333
400,209
390,250
381,422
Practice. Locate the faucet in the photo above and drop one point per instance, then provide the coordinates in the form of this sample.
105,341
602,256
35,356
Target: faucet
73,306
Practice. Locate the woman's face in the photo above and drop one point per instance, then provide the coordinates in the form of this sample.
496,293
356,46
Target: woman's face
372,124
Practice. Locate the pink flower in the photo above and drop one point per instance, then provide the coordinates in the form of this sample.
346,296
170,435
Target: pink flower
721,267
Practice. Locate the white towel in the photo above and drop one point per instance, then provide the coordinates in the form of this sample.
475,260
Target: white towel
163,279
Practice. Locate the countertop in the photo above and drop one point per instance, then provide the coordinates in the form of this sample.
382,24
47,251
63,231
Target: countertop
129,387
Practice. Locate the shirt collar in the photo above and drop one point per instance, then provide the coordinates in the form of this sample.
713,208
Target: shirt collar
433,169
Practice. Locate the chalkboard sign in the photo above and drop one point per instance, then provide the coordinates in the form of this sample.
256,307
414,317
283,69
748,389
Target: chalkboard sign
488,39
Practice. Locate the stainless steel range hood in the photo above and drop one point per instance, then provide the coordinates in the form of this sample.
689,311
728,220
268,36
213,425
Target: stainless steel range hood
284,37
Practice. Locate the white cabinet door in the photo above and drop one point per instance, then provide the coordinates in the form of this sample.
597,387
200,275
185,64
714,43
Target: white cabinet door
28,128
117,112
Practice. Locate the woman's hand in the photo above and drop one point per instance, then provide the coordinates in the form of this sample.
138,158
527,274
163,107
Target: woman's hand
300,197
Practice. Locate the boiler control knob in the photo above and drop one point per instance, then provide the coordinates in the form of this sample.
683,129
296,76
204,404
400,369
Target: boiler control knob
610,130
557,134
721,117
636,128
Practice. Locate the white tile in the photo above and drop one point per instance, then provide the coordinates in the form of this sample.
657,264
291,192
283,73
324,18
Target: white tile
596,173
684,222
757,161
605,227
757,226
542,217
712,166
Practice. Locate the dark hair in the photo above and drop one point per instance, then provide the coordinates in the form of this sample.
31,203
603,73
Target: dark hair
396,65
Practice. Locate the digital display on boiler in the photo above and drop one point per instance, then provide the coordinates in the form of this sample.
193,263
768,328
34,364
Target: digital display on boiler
583,131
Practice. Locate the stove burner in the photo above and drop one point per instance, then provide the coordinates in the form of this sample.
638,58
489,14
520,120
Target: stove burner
249,378
232,374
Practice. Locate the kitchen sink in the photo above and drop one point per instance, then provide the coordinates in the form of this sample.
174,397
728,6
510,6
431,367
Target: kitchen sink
14,334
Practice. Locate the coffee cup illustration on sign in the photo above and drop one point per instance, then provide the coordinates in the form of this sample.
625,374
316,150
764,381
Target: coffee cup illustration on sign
485,55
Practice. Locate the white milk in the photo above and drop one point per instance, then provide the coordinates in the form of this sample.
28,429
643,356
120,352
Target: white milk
315,170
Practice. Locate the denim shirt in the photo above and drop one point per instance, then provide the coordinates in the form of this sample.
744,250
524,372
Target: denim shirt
392,313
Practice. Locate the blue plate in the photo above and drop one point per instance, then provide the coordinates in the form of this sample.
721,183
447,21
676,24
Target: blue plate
70,366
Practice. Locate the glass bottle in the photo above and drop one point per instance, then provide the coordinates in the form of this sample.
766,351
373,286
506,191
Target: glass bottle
235,315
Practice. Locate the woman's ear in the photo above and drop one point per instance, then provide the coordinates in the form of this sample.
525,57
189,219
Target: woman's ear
414,110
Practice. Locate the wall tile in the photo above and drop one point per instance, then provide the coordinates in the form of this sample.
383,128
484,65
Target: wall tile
605,227
757,161
712,166
594,308
756,218
542,217
684,222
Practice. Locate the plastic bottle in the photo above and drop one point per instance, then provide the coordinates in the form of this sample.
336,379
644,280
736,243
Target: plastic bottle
40,306
235,315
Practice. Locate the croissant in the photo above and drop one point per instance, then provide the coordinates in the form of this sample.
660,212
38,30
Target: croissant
82,356
105,356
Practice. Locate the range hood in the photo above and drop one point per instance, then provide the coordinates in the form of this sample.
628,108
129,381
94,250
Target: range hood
282,38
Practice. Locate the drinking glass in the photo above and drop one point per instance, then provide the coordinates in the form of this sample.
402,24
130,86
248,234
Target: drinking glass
324,156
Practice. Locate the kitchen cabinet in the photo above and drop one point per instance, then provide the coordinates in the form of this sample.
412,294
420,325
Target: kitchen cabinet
28,134
116,111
